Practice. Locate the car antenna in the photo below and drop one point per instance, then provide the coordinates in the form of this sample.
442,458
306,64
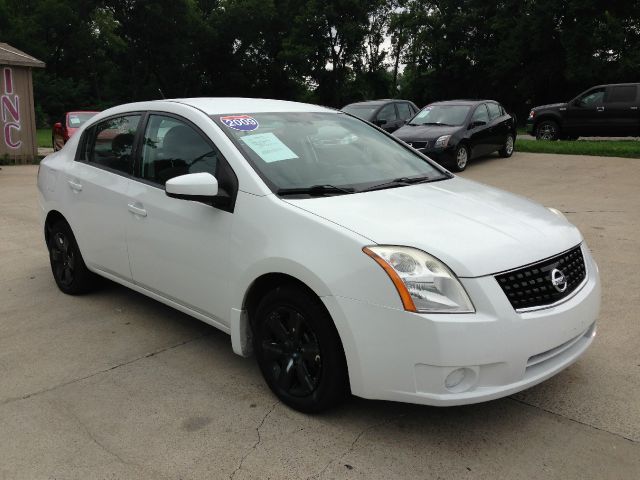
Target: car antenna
161,94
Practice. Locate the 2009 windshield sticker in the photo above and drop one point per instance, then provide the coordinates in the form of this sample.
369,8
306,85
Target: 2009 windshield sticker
244,123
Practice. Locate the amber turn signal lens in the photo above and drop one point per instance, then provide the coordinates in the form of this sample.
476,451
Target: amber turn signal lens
407,301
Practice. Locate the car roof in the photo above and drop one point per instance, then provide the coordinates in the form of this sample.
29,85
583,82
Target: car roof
463,102
374,103
217,105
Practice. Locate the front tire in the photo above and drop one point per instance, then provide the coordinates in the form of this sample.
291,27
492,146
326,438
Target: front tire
507,150
67,265
298,350
547,130
460,159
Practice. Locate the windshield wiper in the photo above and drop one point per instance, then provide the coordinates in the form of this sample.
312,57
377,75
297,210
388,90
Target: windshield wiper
398,182
314,190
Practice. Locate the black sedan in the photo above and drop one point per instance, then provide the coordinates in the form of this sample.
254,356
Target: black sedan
457,131
387,114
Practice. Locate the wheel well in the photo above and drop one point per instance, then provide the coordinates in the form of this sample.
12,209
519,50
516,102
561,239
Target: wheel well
546,117
264,284
52,217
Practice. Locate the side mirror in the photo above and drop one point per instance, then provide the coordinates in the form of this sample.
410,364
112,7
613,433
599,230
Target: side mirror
381,122
477,123
201,187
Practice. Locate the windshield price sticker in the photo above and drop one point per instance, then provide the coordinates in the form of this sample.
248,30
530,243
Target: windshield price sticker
269,147
243,123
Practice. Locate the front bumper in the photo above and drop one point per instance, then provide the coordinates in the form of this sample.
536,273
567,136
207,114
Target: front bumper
397,355
530,126
440,155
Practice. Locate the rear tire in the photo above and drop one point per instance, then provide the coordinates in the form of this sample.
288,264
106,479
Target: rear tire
298,350
67,265
547,130
507,150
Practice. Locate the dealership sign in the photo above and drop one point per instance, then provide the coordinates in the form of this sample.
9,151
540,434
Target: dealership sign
10,111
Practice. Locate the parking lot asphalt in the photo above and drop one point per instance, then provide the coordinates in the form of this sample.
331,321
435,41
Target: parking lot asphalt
114,385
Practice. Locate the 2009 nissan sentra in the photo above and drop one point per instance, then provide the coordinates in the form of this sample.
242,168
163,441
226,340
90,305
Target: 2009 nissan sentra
343,259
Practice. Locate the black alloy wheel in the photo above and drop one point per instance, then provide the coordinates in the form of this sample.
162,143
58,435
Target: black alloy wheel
298,350
547,130
67,265
292,350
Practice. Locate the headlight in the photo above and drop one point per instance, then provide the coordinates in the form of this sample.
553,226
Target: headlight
424,283
442,141
557,212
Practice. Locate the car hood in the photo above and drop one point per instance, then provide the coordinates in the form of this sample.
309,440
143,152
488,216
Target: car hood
551,105
423,132
475,229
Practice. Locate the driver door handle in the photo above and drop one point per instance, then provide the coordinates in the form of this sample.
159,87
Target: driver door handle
75,186
600,109
137,209
634,108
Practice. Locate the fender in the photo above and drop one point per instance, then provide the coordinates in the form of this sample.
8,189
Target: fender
239,325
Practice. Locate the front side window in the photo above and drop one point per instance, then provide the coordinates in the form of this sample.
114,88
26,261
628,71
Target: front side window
305,149
361,111
591,98
110,143
494,110
453,115
481,114
388,113
404,111
171,148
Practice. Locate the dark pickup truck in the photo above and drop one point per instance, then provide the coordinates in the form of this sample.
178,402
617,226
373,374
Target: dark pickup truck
602,111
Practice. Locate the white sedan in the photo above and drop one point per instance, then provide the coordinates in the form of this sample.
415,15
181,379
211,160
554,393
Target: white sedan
343,259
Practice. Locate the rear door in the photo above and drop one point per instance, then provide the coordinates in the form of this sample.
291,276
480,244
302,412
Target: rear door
621,110
98,182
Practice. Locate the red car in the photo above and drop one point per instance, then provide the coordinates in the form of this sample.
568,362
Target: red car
62,131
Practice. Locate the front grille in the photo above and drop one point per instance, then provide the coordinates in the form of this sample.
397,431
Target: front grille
532,286
418,145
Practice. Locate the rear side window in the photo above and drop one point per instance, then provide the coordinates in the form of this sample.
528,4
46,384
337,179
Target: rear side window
171,148
404,111
622,94
494,110
110,143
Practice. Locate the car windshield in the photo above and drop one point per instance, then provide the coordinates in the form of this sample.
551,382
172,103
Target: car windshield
361,111
76,119
441,115
300,150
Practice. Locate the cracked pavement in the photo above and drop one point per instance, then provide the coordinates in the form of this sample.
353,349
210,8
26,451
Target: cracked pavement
114,385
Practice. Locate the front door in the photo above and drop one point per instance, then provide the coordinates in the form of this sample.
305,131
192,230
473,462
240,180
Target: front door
179,249
480,135
585,114
388,119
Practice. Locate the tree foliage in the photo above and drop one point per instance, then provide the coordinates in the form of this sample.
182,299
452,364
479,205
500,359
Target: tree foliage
521,52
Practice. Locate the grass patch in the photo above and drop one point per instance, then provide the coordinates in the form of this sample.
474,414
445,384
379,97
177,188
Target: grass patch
44,137
602,148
